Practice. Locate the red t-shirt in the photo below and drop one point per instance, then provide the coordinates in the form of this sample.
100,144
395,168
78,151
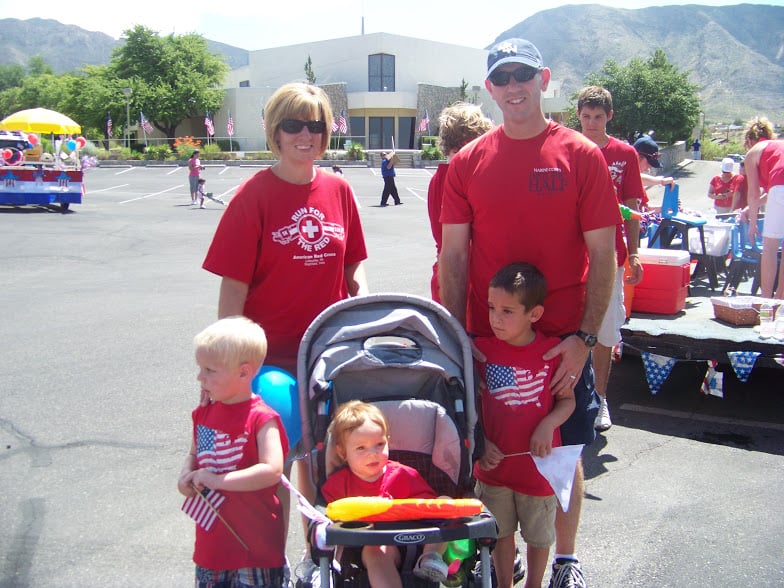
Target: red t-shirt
743,187
435,196
726,188
771,165
397,481
290,243
515,395
624,166
530,200
225,439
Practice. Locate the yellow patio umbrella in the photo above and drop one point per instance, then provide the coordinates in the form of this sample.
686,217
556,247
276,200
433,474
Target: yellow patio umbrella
40,120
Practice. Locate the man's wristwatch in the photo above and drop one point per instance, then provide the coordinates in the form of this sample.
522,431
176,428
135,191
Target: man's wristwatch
588,338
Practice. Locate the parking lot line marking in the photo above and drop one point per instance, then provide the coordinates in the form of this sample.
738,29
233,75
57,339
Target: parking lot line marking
107,189
174,171
127,169
414,192
153,194
702,417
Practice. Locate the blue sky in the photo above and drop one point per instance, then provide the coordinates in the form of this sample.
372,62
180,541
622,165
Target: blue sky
270,23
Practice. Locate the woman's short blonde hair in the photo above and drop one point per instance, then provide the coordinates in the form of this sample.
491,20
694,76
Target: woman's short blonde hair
459,124
299,101
353,415
234,340
758,128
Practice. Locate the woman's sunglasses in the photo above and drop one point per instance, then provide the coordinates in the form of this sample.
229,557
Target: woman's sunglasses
523,73
294,126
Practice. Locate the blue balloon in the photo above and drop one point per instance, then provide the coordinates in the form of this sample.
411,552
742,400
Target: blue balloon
278,389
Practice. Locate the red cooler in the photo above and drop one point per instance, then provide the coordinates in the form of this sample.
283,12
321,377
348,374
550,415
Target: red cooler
665,281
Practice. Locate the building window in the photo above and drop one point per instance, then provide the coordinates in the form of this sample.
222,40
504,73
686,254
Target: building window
381,73
382,129
245,84
357,128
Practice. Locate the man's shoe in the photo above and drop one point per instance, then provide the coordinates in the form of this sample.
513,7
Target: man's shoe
603,421
567,573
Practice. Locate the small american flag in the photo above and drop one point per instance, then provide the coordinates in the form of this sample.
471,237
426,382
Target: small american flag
230,126
198,508
108,125
263,122
209,125
342,127
334,126
145,123
424,123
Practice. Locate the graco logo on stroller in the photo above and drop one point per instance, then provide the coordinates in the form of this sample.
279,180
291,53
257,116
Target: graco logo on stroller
408,538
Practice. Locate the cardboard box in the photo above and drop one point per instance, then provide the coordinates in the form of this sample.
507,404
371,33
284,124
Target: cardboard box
665,281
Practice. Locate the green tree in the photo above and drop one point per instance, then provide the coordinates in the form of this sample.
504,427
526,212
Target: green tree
309,75
649,94
11,76
463,90
37,66
172,78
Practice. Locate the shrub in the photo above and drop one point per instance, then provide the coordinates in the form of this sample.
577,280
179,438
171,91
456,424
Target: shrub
356,152
185,146
212,151
431,153
158,152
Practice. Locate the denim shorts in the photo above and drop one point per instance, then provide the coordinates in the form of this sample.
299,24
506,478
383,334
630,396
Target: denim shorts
243,578
578,428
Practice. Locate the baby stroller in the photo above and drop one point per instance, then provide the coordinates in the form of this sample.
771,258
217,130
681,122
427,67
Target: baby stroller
411,358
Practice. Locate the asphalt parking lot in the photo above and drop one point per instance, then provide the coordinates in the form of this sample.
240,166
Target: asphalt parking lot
98,381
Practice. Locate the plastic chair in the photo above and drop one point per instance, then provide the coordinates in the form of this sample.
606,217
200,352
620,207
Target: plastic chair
676,223
745,257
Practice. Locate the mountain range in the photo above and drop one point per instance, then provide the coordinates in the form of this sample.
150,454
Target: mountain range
735,54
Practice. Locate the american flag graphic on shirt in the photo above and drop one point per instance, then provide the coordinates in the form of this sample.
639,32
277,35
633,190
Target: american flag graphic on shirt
217,451
198,507
515,386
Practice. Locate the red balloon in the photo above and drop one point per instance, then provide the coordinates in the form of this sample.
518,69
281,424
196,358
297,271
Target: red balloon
32,138
7,153
80,142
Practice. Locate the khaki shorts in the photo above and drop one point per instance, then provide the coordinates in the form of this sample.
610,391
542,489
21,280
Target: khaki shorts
534,514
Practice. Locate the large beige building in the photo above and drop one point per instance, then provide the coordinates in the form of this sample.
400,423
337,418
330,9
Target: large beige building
383,84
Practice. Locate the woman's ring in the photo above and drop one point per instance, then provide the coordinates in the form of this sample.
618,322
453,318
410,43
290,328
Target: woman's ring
573,377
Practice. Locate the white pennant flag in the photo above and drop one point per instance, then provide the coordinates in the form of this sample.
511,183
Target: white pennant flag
558,469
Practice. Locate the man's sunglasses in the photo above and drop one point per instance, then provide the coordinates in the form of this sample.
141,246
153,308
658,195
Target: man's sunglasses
523,73
293,126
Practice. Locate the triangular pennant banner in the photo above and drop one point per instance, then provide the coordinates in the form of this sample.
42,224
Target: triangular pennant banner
713,382
743,362
779,359
558,469
657,369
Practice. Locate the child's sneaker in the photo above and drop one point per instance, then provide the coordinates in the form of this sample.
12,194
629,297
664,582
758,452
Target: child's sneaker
202,206
430,566
567,573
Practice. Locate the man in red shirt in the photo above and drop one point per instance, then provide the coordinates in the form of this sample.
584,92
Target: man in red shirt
533,190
